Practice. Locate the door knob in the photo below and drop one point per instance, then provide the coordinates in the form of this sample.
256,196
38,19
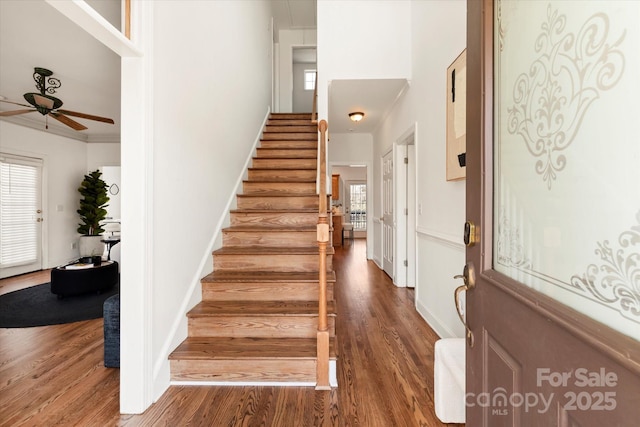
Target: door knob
468,276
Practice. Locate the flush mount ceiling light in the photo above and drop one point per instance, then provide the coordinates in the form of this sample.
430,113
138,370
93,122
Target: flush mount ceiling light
356,116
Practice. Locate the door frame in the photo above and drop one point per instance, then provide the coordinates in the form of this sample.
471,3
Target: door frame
391,151
405,187
602,342
370,221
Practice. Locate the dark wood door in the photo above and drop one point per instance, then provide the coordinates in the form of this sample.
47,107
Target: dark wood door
547,348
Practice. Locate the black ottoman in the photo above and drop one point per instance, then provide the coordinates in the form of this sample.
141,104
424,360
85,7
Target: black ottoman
67,280
111,310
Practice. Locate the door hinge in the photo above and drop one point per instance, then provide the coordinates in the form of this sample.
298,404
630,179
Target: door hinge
406,160
406,263
406,211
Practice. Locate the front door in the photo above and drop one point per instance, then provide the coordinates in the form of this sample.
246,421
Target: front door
553,191
388,232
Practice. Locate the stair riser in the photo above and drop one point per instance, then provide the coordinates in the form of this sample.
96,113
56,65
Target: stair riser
294,239
275,202
296,136
285,163
253,187
278,263
279,128
292,153
281,174
244,370
291,122
310,145
290,116
275,218
260,291
257,326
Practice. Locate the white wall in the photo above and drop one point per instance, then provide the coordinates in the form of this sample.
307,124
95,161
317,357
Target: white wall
302,99
216,61
65,165
362,40
438,31
287,40
102,154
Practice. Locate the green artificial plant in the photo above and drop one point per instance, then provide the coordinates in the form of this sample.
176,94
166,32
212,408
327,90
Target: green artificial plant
92,205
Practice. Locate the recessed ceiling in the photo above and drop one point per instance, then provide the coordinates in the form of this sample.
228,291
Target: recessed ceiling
373,97
34,34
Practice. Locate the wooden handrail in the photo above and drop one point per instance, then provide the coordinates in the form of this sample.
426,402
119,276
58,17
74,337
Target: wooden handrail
314,110
322,364
127,19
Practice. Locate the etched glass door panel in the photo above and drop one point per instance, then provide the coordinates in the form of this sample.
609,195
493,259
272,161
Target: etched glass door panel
567,154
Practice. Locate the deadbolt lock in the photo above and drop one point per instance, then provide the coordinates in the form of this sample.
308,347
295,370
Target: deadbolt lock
471,234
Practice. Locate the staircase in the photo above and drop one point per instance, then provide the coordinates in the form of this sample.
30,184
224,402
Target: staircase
258,319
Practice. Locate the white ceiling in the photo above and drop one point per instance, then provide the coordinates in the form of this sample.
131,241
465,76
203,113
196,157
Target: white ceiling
34,34
294,14
374,98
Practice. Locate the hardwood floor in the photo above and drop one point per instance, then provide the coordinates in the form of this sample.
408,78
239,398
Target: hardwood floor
54,375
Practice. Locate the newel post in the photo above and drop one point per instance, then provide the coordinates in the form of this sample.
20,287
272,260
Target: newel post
322,367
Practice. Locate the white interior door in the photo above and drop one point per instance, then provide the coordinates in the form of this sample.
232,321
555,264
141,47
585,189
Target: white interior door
20,215
388,234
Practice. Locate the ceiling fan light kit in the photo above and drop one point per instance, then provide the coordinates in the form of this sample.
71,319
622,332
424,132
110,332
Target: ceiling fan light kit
44,103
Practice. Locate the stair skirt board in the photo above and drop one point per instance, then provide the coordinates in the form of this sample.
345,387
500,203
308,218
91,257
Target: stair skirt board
333,381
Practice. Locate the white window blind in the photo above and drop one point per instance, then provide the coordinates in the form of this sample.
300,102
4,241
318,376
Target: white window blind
19,200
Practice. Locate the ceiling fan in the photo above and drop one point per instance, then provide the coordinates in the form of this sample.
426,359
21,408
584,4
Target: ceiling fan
48,105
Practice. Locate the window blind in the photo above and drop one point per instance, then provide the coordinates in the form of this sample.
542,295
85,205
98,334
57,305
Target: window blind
19,203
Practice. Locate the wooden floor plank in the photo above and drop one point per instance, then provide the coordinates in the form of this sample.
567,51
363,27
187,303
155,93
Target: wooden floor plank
54,375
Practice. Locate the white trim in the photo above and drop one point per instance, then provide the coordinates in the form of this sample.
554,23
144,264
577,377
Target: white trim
443,238
137,155
438,326
244,384
181,318
83,15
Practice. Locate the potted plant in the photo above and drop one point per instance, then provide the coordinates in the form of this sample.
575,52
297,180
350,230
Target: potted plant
92,211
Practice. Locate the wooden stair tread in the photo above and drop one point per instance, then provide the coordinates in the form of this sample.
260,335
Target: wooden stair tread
213,348
269,250
259,308
307,157
274,170
265,276
272,180
268,228
262,210
277,194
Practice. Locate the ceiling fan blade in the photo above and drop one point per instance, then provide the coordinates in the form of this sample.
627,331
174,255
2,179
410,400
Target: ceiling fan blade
15,103
15,112
43,101
87,116
67,121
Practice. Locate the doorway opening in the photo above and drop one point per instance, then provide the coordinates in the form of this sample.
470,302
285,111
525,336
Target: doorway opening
304,78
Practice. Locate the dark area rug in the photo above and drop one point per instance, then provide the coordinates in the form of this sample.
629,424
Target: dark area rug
37,306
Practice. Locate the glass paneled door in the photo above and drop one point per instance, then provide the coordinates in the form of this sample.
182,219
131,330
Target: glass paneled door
20,215
553,199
